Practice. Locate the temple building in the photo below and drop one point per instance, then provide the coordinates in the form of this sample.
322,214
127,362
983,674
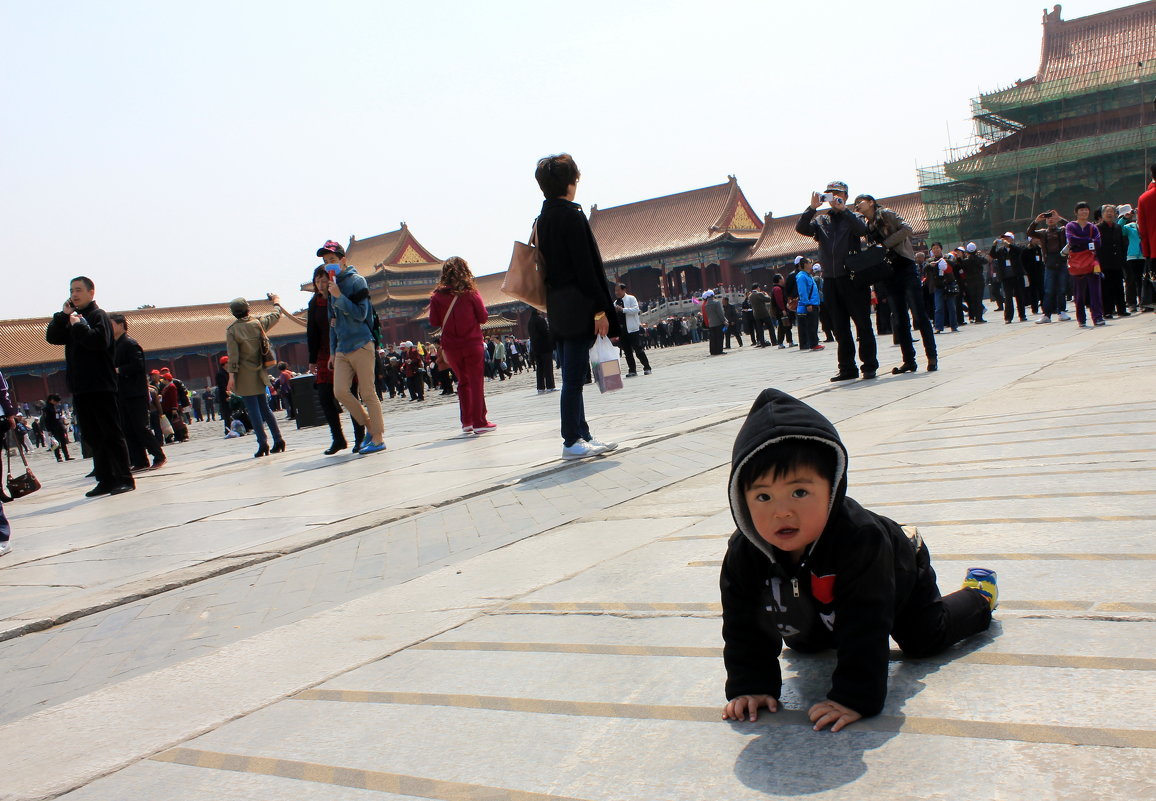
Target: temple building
1082,128
189,340
673,246
402,274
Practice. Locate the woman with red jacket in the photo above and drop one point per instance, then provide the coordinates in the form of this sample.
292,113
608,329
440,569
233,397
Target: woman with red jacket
456,307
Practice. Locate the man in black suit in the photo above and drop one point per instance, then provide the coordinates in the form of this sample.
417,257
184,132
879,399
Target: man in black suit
83,328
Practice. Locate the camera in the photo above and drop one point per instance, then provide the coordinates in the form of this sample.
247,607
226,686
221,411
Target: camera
827,197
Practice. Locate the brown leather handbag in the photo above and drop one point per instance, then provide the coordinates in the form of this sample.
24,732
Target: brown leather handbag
526,277
21,485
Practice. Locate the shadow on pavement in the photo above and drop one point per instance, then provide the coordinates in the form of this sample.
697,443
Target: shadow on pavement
790,759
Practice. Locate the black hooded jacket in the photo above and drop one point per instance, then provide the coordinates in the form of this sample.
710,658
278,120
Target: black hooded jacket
845,593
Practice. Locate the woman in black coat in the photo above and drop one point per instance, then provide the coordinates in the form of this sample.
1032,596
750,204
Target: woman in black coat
578,299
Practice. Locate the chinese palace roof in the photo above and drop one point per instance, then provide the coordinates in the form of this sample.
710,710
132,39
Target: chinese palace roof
157,330
1086,54
675,222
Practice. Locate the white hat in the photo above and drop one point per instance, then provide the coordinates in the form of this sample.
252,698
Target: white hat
799,259
971,247
1008,235
708,294
1124,208
817,268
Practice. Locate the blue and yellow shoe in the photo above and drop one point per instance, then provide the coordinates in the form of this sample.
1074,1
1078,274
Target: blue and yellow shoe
983,581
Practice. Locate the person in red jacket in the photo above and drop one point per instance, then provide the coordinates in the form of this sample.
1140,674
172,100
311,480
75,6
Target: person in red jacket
456,307
1146,222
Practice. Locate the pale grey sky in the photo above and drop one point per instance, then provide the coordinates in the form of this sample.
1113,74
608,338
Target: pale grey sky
190,153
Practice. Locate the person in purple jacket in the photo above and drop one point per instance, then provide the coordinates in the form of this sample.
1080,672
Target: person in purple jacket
7,421
1083,266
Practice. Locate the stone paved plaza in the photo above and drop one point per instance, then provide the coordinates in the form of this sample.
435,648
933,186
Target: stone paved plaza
475,619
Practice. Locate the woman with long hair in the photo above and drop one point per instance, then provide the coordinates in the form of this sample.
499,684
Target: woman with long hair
456,307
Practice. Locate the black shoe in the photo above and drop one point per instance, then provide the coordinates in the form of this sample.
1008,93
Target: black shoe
262,451
91,475
904,368
932,365
868,373
1124,314
97,491
278,447
631,375
159,463
121,489
335,447
844,376
140,468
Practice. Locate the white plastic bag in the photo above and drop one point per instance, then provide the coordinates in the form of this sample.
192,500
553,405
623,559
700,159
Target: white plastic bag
605,366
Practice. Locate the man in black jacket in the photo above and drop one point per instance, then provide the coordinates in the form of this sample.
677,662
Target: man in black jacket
577,295
838,232
812,568
542,349
1113,255
1007,264
133,397
84,330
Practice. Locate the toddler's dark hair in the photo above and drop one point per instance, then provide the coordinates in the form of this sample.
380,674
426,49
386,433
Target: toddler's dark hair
787,456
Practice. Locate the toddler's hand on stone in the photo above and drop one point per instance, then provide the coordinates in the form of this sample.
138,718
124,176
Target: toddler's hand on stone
830,712
749,705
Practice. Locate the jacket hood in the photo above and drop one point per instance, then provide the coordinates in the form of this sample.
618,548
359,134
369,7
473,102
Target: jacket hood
774,417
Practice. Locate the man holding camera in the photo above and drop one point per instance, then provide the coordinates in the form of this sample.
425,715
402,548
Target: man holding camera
1048,229
838,231
83,328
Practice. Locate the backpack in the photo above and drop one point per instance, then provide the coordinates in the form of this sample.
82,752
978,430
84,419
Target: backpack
375,326
182,392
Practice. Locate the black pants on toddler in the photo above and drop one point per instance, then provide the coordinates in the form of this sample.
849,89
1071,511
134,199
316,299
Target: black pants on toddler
928,623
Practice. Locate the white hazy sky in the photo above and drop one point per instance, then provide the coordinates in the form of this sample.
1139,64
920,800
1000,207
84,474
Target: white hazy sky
189,153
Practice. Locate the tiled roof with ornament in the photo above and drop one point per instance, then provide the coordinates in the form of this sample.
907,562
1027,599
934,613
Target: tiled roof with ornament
176,328
396,251
1115,38
780,243
1086,54
674,222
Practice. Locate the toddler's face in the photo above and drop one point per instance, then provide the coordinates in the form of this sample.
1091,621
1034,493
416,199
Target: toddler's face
790,512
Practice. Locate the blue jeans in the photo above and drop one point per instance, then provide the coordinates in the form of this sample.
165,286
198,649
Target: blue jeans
1055,284
945,303
258,409
5,529
575,358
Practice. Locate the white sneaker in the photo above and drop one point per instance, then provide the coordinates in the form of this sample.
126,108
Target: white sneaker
5,548
1045,319
468,431
581,449
604,446
1065,317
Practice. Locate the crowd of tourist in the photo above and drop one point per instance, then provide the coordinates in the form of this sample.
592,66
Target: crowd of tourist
872,276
